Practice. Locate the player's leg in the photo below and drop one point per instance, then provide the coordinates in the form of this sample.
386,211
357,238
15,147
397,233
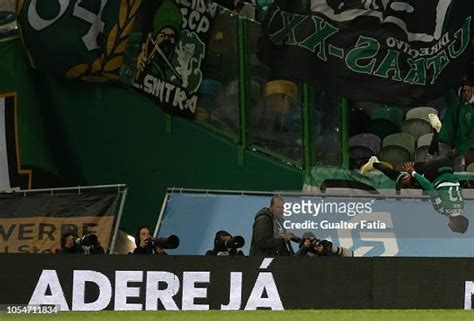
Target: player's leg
434,146
434,168
374,163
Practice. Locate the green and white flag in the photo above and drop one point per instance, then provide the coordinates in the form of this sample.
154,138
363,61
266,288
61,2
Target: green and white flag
170,52
82,39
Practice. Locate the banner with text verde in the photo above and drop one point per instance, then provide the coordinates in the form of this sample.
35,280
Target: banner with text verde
35,223
394,51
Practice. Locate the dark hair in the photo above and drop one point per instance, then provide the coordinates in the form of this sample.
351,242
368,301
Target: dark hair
220,234
137,236
66,235
460,223
306,236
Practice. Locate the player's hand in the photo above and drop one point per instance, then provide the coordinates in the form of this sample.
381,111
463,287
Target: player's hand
408,167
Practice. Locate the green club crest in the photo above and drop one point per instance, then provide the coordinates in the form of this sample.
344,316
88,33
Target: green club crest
187,59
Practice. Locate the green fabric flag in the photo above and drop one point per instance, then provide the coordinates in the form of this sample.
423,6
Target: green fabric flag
80,39
165,63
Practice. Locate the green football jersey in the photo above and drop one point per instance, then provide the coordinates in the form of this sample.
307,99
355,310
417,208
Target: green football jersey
449,201
446,200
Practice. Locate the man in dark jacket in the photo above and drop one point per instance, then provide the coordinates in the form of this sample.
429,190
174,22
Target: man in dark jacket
269,237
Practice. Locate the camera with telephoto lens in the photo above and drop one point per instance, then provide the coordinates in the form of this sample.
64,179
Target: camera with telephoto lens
225,244
329,249
89,244
166,242
235,242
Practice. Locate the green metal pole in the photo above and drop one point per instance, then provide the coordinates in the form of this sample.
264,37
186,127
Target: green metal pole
243,87
308,142
344,107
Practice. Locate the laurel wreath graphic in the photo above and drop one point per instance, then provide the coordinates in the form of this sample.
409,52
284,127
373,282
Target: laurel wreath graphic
104,68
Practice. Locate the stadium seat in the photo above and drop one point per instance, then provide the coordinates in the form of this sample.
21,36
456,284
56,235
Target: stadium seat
359,121
232,89
416,127
398,148
424,140
284,87
362,147
470,168
385,121
423,146
208,92
395,155
366,140
400,139
202,114
281,95
417,122
420,113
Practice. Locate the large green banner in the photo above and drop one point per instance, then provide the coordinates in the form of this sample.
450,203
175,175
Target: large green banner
80,39
154,46
401,52
171,51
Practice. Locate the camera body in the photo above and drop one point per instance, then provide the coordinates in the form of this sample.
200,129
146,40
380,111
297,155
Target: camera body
227,245
329,249
167,242
235,242
89,244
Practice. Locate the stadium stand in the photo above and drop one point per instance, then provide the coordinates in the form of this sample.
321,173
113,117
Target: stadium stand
362,147
385,121
398,148
417,122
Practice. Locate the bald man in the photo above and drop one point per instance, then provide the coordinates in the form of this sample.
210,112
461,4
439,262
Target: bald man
269,237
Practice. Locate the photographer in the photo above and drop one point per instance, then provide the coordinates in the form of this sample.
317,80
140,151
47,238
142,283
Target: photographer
308,246
69,244
225,244
311,246
87,244
144,243
269,237
90,244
